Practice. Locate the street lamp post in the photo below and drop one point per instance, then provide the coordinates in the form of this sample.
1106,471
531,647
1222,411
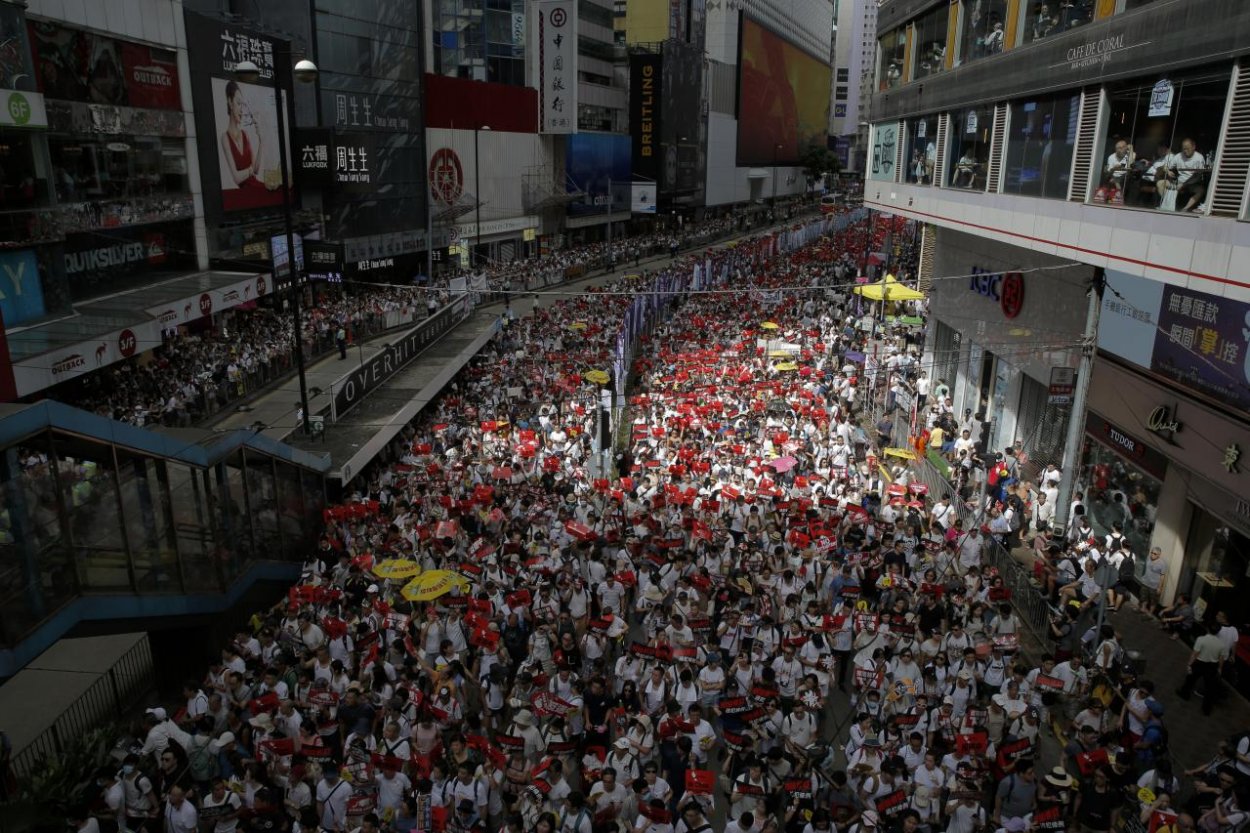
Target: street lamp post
305,71
477,177
776,150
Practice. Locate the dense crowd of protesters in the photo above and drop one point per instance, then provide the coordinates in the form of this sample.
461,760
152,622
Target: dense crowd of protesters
739,626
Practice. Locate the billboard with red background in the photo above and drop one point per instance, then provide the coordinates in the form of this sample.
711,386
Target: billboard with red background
784,102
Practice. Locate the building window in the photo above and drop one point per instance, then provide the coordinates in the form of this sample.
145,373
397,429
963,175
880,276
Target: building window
840,94
931,42
983,32
1056,16
116,167
893,50
1040,145
1160,144
921,152
970,148
844,75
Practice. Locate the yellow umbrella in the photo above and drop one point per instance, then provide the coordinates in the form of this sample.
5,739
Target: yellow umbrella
578,325
778,354
905,453
888,289
597,377
396,568
785,366
429,586
770,325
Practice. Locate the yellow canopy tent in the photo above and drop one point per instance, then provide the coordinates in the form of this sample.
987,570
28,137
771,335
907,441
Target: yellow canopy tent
888,289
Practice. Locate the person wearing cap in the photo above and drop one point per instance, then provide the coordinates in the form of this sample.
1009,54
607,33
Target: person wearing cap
162,730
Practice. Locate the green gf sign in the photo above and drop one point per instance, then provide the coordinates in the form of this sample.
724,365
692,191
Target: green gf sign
19,109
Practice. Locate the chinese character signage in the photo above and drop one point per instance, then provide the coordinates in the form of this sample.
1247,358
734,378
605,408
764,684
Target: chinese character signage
1193,338
556,54
324,261
313,151
354,164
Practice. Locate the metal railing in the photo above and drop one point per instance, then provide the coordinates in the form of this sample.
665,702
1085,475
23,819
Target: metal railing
110,697
1027,598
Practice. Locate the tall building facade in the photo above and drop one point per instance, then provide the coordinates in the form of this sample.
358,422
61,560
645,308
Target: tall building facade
854,67
768,95
1054,150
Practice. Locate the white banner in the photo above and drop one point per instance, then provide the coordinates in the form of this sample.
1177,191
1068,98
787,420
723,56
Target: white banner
185,310
642,198
47,369
556,53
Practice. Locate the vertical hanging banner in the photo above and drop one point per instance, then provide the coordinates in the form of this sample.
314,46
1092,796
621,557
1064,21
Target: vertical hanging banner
556,53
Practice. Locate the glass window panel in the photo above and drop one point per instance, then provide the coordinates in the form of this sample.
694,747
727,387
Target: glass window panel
88,486
893,50
1040,143
1118,492
970,147
1042,20
194,533
983,32
930,39
36,567
145,508
290,509
1161,141
262,495
921,152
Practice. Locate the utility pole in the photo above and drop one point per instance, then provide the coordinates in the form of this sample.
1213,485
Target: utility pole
1076,419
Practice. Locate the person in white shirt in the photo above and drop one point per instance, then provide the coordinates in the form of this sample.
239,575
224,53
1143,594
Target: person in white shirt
221,806
161,732
180,814
332,795
1186,170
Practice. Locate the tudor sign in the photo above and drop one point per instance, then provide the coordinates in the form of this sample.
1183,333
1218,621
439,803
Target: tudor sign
1007,288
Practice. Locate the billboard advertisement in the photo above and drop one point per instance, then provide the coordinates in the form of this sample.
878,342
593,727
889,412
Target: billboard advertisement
642,198
784,102
1197,340
645,84
592,162
74,65
512,163
239,166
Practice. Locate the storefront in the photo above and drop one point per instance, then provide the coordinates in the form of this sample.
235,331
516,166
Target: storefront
1173,371
1176,471
1002,318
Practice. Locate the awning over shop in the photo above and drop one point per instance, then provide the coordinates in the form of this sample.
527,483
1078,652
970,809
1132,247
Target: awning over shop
106,330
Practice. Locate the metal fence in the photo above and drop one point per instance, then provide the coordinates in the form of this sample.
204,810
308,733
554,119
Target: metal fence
109,698
1030,602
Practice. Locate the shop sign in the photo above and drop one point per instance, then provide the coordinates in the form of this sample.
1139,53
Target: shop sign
22,109
21,288
1097,53
315,148
1006,288
355,162
1062,386
1163,421
1161,99
1127,445
324,261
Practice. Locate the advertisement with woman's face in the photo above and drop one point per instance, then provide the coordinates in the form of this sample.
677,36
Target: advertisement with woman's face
247,143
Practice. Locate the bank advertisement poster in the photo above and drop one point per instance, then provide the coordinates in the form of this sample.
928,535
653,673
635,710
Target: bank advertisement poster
784,102
1198,340
596,165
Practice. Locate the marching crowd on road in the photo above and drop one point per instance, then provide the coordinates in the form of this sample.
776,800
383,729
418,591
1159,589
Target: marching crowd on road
739,625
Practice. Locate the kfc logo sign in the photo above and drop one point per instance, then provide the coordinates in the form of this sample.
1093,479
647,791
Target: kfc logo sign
126,343
206,304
